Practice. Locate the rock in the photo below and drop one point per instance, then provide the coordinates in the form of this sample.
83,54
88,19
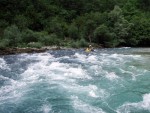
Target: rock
9,51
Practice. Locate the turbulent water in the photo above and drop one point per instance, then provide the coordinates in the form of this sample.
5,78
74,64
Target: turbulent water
72,81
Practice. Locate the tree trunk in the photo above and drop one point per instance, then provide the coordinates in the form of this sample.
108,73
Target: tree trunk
89,37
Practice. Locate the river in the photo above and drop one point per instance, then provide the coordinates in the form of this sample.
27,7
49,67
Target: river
115,80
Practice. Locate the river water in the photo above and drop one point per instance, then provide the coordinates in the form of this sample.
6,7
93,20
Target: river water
72,81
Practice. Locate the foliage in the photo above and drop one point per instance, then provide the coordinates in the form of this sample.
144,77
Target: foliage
50,40
35,44
120,26
101,33
4,43
79,43
83,42
73,32
108,22
29,36
13,35
21,21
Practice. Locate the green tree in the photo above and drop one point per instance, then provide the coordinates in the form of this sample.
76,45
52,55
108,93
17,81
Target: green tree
21,21
58,26
89,28
140,31
29,36
13,35
73,32
51,39
119,25
101,34
144,4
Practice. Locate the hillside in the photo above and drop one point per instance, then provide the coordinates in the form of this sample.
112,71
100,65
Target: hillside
74,23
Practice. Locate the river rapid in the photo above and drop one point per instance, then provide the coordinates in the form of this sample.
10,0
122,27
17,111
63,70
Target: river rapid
113,80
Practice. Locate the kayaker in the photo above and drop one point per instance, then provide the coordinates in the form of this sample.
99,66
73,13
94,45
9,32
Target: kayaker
89,49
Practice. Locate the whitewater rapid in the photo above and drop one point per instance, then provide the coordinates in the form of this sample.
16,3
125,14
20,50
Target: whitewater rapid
72,81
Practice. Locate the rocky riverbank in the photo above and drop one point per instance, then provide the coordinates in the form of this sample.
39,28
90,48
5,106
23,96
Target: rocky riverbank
10,51
16,50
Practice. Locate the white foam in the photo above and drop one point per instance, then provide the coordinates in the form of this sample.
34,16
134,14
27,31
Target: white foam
3,64
4,78
67,71
46,108
122,57
111,76
80,57
84,107
16,89
56,65
76,73
126,72
11,92
124,47
41,68
92,94
53,70
146,102
92,58
93,90
90,90
127,107
96,69
37,56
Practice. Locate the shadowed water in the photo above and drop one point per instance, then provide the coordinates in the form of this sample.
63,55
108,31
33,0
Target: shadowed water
72,81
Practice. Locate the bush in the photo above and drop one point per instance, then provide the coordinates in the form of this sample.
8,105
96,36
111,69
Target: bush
74,45
35,44
3,23
57,25
21,21
101,34
50,40
13,35
4,43
73,32
22,45
29,36
82,43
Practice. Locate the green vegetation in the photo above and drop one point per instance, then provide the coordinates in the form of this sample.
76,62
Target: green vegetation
74,23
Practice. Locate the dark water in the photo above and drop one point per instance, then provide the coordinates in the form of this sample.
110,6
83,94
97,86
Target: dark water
72,81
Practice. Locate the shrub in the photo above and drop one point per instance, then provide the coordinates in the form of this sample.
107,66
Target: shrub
21,21
4,43
35,44
13,35
50,40
29,36
101,34
73,32
82,43
74,45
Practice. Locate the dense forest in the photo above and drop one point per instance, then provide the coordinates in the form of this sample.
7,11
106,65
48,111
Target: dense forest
74,23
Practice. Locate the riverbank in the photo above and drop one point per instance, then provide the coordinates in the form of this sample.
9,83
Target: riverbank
16,50
10,51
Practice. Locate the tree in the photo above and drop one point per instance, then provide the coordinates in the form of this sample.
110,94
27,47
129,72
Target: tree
101,34
89,28
21,21
144,4
73,32
13,35
120,26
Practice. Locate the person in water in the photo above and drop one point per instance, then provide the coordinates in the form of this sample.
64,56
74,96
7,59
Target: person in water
89,49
